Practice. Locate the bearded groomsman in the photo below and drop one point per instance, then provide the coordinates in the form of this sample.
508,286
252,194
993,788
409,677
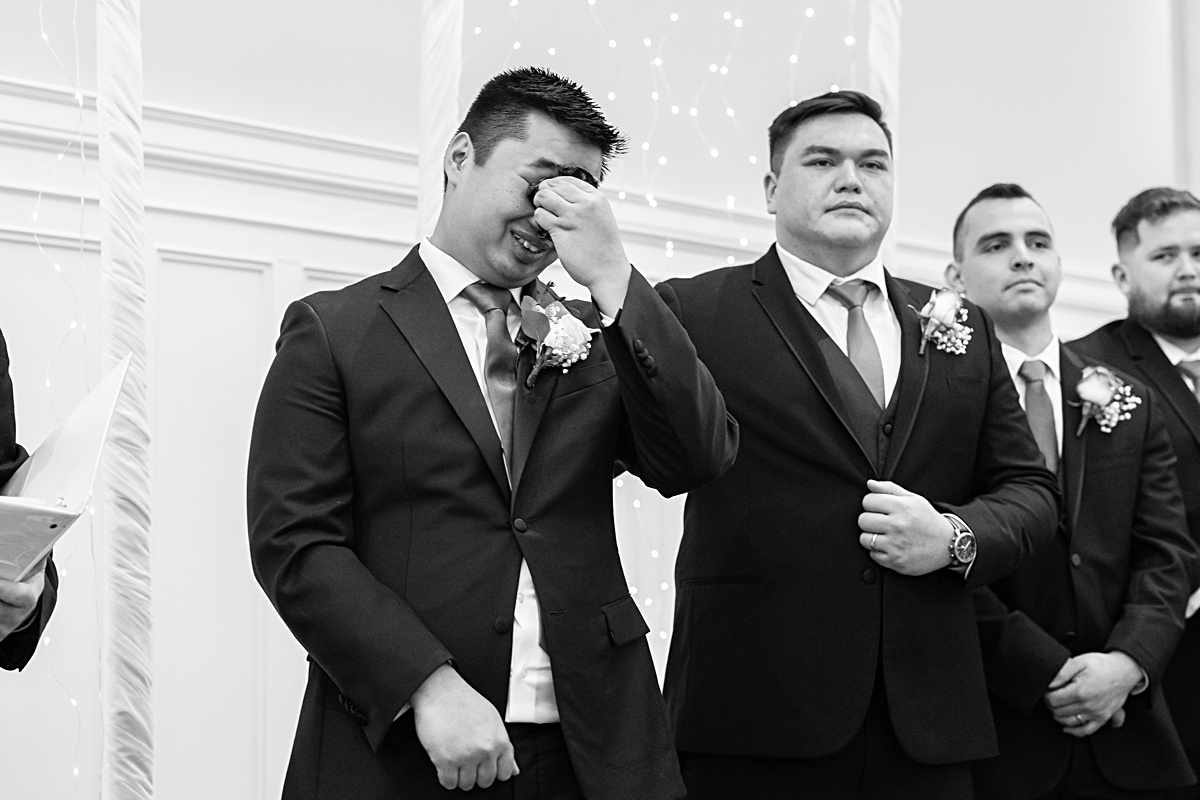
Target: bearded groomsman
1158,270
825,641
1076,641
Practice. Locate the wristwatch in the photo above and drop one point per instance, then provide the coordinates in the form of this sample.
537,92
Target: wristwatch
962,544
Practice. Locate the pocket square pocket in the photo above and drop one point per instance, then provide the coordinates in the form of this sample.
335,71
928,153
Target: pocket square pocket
581,376
625,623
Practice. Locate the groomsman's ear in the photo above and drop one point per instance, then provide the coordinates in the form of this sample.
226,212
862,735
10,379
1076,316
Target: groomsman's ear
460,153
953,278
1121,278
770,184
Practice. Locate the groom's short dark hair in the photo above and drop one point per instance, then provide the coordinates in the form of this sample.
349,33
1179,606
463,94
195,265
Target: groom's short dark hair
1153,206
779,135
501,111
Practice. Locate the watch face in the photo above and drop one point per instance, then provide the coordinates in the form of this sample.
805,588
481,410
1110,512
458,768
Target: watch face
964,548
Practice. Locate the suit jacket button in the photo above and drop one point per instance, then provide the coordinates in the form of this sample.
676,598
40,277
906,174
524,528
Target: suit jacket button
648,361
638,347
869,575
887,429
503,624
1076,560
519,525
651,371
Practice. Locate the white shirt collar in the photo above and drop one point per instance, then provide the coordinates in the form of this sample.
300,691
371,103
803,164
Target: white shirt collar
1051,356
450,276
1174,352
810,281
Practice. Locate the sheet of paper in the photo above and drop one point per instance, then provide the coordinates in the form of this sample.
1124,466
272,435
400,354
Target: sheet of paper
52,488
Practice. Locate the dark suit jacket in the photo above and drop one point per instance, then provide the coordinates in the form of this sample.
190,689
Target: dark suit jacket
17,648
782,619
1115,578
1129,347
383,528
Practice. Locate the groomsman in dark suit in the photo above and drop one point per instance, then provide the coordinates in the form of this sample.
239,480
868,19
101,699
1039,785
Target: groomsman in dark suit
1076,641
430,501
25,606
1158,270
825,642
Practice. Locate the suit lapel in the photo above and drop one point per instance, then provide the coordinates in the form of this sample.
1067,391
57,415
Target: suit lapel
412,300
914,372
530,404
1074,448
802,334
1162,374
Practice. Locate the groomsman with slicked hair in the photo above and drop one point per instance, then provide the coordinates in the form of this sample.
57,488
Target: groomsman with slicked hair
1076,641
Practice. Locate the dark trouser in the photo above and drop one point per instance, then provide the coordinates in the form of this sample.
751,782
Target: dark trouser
872,767
1084,782
541,753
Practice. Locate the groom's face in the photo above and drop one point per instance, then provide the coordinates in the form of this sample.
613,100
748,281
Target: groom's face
833,185
493,231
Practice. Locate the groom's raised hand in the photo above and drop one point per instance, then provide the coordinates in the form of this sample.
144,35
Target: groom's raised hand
584,230
462,732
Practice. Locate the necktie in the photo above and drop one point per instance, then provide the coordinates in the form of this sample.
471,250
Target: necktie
500,361
1192,369
1039,411
860,343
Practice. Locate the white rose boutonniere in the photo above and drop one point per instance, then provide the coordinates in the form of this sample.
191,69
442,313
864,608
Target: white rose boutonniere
1105,398
560,338
942,320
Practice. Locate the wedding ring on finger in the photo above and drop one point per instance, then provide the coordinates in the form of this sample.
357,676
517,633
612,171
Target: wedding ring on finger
1079,719
874,536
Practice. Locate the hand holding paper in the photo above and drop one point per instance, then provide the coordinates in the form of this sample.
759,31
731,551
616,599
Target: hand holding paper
18,599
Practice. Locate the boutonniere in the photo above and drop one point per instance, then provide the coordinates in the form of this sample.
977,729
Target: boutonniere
559,337
1104,398
942,320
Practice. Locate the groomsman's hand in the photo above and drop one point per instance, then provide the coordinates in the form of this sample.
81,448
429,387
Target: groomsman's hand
462,732
581,223
19,599
1090,690
903,531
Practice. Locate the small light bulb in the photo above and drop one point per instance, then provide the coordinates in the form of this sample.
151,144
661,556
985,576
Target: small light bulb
835,88
73,324
713,152
633,590
670,245
727,15
670,254
35,216
665,586
730,260
654,554
674,109
658,62
620,196
646,41
729,112
645,145
550,51
794,58
74,702
612,42
478,30
612,95
693,111
737,23
724,70
620,481
753,159
662,160
729,201
712,67
60,157
45,36
654,95
744,242
849,41
649,601
516,45
662,634
808,12
674,18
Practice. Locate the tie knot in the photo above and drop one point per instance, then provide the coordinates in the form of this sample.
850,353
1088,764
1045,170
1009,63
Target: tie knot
1032,371
487,297
1191,368
851,294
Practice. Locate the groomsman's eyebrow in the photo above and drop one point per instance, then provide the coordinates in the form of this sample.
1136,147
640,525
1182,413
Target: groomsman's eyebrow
1000,237
825,150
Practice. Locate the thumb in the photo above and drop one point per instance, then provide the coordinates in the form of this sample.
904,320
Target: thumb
887,487
1066,673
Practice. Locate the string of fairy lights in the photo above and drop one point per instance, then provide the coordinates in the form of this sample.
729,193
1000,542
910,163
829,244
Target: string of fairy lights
693,115
659,64
76,327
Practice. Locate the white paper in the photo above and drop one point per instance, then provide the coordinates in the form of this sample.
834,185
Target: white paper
52,488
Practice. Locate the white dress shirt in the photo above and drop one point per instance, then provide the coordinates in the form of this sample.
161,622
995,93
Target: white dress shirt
1175,354
530,685
1051,356
809,282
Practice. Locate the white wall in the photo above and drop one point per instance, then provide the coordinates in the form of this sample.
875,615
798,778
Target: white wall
279,161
